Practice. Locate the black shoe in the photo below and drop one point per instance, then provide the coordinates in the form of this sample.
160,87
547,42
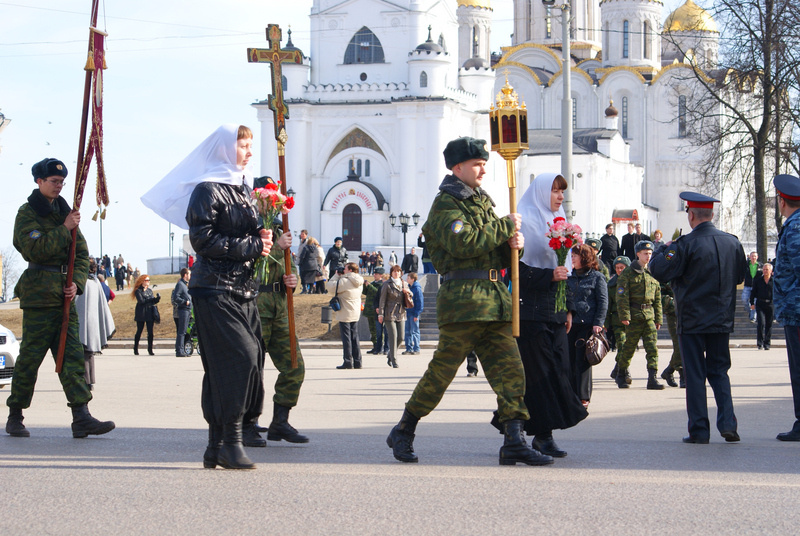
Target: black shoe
730,436
407,353
280,429
14,426
766,347
696,440
793,435
231,454
345,366
471,374
548,446
401,438
251,437
668,377
83,424
356,365
516,450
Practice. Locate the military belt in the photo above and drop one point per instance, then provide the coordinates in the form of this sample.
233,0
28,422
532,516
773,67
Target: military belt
62,269
274,287
641,306
491,275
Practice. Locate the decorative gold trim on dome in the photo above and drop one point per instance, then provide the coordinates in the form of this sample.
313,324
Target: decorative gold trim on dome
573,70
690,18
482,4
607,71
507,51
678,65
523,67
609,1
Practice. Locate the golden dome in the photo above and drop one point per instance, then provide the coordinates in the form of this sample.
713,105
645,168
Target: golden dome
690,18
485,4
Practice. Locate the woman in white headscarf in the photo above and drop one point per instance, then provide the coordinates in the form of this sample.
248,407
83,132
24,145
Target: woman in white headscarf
549,396
209,193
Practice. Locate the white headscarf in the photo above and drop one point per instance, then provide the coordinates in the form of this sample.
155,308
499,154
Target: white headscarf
214,160
536,214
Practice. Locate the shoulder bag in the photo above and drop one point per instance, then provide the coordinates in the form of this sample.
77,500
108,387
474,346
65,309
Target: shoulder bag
407,297
335,303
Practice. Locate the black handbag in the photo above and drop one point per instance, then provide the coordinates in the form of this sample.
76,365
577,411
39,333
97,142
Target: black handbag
335,303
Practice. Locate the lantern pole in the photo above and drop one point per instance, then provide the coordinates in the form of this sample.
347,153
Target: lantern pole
508,122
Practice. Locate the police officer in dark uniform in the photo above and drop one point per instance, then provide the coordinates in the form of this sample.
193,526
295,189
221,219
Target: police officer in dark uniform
704,268
42,235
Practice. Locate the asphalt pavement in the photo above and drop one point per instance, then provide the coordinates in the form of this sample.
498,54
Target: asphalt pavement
627,471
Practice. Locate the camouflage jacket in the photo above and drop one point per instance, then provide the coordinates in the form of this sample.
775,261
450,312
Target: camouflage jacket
612,317
636,287
464,233
273,304
667,299
786,285
41,238
371,291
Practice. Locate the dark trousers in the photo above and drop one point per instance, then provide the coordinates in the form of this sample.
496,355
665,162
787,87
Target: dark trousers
764,316
181,323
472,362
580,369
137,336
229,332
793,349
350,347
707,356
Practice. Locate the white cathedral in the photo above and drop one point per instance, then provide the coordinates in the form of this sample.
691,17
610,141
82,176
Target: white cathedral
387,84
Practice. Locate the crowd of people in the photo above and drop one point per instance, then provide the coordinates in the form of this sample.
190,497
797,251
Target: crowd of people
542,379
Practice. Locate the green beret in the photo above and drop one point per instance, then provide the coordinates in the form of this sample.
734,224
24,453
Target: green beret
622,259
643,245
463,149
595,243
49,167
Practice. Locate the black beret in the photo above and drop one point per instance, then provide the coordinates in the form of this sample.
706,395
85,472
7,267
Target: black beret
788,186
643,244
49,167
463,149
622,259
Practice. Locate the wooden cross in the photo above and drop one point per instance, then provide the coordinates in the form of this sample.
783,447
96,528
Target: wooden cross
276,56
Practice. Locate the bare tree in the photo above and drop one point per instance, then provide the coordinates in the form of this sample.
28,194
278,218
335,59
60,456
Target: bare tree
10,271
746,111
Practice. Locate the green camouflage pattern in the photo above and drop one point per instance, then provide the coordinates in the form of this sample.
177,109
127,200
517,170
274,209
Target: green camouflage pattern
500,359
45,240
370,291
612,322
668,305
41,328
603,269
272,310
638,286
466,234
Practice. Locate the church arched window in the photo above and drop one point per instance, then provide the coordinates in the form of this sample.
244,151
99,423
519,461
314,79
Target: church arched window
625,117
626,38
423,79
364,47
366,167
284,83
606,51
682,116
646,40
358,167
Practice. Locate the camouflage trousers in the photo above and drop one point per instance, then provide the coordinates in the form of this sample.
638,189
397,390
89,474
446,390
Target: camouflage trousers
41,328
275,335
499,356
373,333
619,335
639,328
672,324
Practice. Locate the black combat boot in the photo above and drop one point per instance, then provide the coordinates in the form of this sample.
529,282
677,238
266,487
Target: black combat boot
251,437
496,422
628,378
652,382
547,445
401,438
83,424
681,379
231,453
280,428
668,377
515,449
214,443
614,371
14,426
621,380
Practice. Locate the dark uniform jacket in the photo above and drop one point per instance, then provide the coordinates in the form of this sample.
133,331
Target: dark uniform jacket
224,230
464,233
704,267
41,238
537,296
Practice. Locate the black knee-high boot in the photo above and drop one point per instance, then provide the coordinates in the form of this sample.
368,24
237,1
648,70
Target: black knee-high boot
231,453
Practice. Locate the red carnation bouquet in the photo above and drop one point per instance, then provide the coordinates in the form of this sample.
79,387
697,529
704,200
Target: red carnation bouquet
269,202
563,235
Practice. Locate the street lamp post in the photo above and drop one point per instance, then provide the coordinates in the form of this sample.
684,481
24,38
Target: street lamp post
404,225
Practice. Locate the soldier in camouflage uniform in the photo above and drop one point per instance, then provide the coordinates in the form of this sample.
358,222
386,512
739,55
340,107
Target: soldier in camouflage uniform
274,316
639,308
371,291
613,325
469,245
595,244
675,363
42,235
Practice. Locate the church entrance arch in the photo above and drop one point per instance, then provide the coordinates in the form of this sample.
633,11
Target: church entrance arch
351,228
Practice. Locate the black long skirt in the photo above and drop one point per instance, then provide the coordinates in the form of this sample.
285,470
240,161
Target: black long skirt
549,396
